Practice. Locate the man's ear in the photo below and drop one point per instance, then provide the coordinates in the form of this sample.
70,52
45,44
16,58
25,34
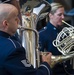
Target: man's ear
5,23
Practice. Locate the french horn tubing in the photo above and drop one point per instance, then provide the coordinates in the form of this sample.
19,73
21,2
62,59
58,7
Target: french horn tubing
65,44
65,40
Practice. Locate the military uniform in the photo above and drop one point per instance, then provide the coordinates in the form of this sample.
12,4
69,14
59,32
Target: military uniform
13,59
46,37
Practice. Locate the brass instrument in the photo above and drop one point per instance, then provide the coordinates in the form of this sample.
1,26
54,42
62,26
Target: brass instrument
64,43
30,37
29,34
65,40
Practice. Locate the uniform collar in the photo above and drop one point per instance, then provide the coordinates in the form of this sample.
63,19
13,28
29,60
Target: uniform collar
49,25
4,34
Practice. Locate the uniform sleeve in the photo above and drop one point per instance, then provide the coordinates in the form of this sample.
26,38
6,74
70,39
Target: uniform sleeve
17,64
42,41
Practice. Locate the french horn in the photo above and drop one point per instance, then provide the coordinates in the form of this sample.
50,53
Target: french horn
64,42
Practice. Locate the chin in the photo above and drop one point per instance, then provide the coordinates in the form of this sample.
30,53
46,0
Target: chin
59,24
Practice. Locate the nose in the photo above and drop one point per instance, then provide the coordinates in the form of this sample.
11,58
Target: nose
62,16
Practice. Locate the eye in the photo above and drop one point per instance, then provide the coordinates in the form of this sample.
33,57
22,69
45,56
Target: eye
16,18
60,14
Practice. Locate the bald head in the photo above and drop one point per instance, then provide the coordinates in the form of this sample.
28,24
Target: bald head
8,18
6,10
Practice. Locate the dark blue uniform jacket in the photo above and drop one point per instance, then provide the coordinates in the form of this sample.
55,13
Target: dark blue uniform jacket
13,59
46,37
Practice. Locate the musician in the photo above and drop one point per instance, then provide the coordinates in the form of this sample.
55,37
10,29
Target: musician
49,33
16,3
13,59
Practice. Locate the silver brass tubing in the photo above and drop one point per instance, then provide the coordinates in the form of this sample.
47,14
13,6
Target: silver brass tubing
66,23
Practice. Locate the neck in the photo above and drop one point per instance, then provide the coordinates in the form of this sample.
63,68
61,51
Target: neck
54,24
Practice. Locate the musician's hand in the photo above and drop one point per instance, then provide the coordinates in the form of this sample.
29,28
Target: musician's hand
47,58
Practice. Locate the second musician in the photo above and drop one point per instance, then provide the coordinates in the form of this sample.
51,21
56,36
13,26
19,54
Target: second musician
49,33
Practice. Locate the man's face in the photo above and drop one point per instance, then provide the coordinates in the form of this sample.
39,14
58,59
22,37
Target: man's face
57,17
13,22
